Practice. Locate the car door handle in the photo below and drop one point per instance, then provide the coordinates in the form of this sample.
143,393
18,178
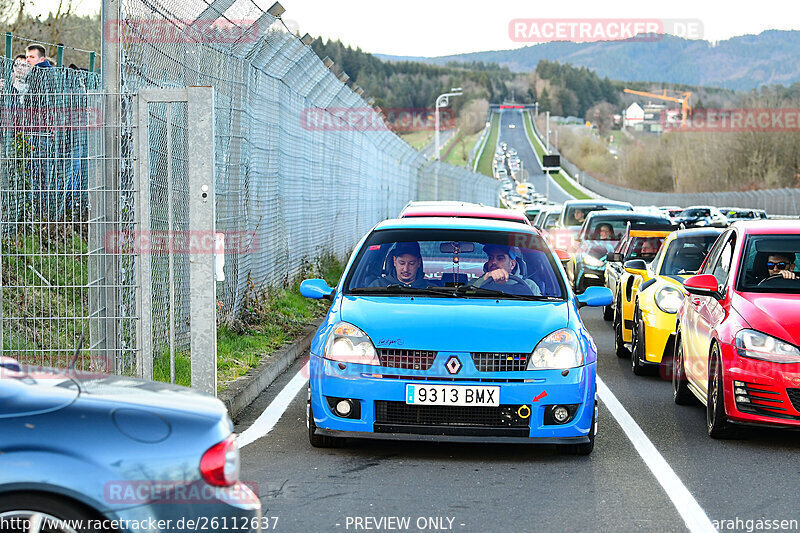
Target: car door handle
696,301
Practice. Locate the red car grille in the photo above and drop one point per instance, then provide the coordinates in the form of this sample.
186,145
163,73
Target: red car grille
408,359
794,396
766,401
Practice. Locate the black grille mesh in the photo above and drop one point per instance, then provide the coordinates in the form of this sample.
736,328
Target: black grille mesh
401,413
500,362
794,396
408,359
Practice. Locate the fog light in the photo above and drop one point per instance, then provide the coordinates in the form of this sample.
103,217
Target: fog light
743,399
560,414
738,384
741,391
343,408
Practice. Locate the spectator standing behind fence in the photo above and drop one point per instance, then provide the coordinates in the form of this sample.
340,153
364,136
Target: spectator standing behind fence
38,104
17,81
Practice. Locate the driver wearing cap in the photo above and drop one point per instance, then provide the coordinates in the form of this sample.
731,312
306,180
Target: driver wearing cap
500,264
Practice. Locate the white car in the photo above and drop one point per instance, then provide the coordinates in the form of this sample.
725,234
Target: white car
511,126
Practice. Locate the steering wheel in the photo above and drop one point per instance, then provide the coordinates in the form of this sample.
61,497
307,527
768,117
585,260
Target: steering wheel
774,276
520,282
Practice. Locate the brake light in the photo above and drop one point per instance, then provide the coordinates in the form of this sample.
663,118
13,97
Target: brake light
220,464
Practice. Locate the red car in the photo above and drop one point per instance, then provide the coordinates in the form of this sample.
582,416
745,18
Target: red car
463,210
739,330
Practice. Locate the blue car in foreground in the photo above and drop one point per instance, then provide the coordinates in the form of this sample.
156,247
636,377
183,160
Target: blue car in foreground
453,330
82,453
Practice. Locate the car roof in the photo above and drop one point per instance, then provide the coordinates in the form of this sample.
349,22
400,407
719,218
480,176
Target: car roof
466,211
630,215
697,232
767,227
578,203
488,224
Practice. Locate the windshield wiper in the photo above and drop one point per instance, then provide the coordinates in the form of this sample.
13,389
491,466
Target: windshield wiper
470,290
394,288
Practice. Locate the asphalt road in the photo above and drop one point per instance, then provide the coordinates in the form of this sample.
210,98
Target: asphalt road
516,139
444,137
526,488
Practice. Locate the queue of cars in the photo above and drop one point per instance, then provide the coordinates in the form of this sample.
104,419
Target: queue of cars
709,301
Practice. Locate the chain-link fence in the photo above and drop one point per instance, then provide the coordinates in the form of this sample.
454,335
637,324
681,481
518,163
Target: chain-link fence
52,222
774,201
304,166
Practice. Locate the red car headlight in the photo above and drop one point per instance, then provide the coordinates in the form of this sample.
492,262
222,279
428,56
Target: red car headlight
757,345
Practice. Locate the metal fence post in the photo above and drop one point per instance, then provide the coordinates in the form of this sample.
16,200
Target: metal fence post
144,269
202,222
110,185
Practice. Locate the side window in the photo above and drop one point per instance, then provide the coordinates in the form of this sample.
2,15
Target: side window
722,266
713,254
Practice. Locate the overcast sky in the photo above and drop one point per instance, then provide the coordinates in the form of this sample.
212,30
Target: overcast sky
441,27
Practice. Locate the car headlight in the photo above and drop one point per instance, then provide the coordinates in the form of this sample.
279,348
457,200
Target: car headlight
701,223
593,261
560,349
349,344
751,343
669,299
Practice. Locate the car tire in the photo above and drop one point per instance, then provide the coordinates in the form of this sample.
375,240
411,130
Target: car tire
585,448
608,313
637,353
26,505
680,386
619,344
716,420
319,441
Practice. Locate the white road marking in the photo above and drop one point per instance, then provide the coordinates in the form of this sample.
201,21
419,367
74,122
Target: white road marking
267,420
693,515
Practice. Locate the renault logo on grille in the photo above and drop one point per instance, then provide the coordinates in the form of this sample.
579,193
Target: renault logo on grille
453,365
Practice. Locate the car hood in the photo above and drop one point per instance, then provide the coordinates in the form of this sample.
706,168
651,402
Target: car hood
597,249
773,314
459,325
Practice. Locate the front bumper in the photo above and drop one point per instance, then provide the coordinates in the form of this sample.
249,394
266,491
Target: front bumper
659,334
375,387
772,390
590,276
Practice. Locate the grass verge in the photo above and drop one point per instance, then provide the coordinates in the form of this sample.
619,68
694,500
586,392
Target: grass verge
560,178
418,139
487,156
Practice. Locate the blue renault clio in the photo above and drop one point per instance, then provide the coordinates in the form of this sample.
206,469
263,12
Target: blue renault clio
454,330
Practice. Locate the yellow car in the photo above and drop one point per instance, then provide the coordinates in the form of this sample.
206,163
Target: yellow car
625,268
659,292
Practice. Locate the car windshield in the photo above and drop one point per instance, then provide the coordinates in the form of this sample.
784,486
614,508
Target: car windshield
644,248
685,255
769,264
575,215
551,219
453,263
612,229
696,213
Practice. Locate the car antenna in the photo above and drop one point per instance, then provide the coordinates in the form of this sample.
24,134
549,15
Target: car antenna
77,350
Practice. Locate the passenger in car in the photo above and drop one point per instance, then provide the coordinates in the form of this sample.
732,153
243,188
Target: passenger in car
405,267
500,265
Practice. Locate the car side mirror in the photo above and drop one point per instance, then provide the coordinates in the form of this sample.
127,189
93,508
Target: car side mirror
614,257
316,289
637,267
703,285
595,297
563,255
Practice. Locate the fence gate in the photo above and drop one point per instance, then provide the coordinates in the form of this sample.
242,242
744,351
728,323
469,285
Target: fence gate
175,243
